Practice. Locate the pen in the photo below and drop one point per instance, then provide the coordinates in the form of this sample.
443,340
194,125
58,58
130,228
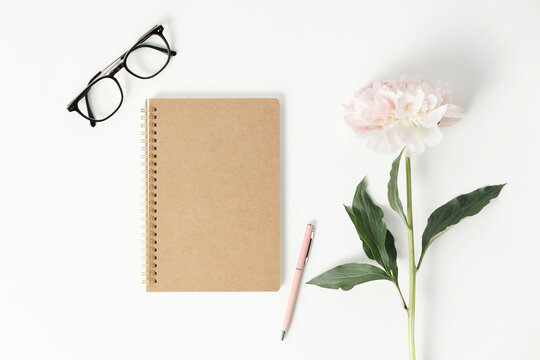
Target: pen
302,258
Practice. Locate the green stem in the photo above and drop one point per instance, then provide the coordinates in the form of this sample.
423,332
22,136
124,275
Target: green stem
412,263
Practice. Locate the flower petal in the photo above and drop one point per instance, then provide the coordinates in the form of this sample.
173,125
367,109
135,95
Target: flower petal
384,141
414,149
410,136
431,101
403,112
408,104
433,117
431,135
453,114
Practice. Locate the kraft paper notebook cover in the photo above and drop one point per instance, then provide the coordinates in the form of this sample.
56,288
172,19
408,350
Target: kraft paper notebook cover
212,194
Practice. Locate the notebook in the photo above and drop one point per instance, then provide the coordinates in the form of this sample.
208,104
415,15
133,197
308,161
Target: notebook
212,194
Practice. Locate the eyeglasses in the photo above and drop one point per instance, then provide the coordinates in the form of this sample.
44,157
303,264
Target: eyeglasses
103,95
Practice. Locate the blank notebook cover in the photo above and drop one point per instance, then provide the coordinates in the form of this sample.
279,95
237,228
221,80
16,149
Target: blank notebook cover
212,194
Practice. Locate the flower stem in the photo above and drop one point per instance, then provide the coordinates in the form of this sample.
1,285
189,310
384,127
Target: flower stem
412,263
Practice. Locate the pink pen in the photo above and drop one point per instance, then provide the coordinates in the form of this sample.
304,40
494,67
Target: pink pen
302,258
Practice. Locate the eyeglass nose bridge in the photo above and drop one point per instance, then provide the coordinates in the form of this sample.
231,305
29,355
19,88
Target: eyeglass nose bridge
116,69
113,67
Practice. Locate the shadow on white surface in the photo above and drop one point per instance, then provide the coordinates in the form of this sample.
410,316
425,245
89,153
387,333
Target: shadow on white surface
466,60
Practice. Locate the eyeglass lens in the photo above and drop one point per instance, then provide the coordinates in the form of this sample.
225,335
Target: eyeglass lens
149,57
102,99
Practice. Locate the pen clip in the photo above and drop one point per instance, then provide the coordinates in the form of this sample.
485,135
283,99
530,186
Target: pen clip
310,243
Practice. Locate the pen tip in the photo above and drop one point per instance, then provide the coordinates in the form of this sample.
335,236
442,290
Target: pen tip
283,335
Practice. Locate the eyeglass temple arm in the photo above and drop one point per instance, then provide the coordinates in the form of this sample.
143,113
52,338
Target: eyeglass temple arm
158,48
90,113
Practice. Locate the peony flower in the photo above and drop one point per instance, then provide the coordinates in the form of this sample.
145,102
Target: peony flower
406,112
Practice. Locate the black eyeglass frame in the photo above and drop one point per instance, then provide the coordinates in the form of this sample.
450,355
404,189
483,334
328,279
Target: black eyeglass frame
109,71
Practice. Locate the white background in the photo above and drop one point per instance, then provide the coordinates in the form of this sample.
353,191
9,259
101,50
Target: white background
70,194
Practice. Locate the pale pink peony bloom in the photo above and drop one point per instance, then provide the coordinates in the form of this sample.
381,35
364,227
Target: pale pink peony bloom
406,112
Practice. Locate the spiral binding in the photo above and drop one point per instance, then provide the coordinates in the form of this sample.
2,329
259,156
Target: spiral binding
150,194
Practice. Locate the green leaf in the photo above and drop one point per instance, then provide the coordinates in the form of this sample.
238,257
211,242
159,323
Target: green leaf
367,218
348,276
393,194
454,211
392,254
366,246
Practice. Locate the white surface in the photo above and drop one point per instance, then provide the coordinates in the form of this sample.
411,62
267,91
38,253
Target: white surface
71,283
